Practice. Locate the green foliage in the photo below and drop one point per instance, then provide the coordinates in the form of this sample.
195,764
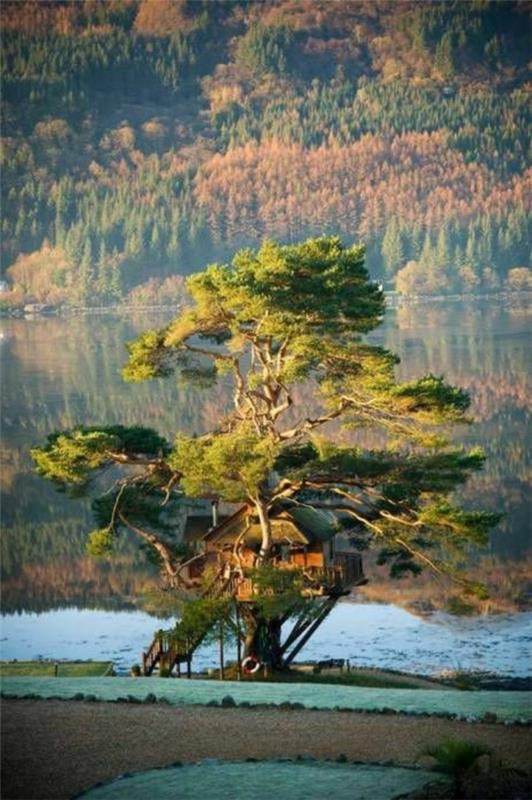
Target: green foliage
278,591
401,563
456,758
460,608
69,458
231,465
319,284
144,361
471,525
100,543
200,618
263,50
433,397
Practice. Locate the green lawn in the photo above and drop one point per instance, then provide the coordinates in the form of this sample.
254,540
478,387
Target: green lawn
353,678
347,679
65,669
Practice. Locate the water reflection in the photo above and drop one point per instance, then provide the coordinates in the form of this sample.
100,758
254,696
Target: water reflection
57,373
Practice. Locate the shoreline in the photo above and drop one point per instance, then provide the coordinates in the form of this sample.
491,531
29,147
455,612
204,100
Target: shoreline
308,671
393,300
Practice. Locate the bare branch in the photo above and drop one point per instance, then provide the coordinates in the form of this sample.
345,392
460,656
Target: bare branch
164,552
309,424
202,351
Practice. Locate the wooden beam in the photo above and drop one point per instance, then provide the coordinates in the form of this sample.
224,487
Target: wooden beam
304,620
222,670
238,642
326,610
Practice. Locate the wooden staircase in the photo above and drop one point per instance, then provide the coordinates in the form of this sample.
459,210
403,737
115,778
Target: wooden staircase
170,648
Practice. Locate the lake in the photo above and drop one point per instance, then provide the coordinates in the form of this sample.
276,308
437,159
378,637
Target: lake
61,371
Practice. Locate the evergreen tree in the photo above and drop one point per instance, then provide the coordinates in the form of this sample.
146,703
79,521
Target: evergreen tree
86,273
392,248
273,319
442,250
443,59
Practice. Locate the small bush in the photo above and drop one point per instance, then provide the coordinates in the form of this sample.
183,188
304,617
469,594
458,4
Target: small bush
228,701
456,758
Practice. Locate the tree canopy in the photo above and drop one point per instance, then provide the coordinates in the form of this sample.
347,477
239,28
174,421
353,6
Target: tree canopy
286,327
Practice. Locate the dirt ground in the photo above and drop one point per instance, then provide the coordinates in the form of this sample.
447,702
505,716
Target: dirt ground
56,749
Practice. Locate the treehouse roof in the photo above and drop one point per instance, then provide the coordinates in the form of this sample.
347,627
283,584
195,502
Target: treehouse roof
317,524
297,525
197,526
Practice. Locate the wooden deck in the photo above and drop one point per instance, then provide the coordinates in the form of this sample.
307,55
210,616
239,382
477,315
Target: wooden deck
341,576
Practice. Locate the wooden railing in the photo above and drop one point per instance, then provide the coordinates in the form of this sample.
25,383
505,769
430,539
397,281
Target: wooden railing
168,648
346,572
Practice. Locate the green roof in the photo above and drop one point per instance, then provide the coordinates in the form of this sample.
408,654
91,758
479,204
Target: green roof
316,523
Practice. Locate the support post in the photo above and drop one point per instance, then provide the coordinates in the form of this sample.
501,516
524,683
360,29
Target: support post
303,621
222,669
326,610
238,643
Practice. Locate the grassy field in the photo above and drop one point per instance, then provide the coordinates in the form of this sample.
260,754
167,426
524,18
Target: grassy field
377,679
349,679
65,669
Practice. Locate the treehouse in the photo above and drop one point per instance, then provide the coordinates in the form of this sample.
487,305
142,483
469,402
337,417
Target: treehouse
224,552
303,538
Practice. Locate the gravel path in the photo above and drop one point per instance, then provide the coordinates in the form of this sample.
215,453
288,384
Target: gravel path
55,749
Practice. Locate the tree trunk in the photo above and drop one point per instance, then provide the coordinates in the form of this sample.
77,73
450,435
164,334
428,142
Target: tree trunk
262,639
266,529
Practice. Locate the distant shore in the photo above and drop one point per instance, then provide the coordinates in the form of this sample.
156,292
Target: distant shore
393,299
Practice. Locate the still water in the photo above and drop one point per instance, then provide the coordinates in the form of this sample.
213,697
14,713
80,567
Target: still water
59,372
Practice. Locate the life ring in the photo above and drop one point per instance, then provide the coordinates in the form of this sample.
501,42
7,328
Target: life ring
251,665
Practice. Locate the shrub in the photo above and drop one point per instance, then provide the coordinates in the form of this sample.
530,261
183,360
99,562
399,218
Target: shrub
228,701
456,758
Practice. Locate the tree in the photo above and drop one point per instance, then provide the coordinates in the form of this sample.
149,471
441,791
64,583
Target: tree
443,57
273,320
392,249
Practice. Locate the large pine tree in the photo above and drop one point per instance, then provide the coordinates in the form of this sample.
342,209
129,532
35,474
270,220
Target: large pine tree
284,323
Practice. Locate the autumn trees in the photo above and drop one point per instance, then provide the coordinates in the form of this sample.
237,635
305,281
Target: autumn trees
274,319
131,131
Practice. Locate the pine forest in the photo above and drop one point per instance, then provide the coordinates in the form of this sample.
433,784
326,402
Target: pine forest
145,138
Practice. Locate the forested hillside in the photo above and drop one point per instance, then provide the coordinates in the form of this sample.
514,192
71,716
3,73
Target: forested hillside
143,138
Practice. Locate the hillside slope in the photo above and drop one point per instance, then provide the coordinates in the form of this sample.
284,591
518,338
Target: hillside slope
142,138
